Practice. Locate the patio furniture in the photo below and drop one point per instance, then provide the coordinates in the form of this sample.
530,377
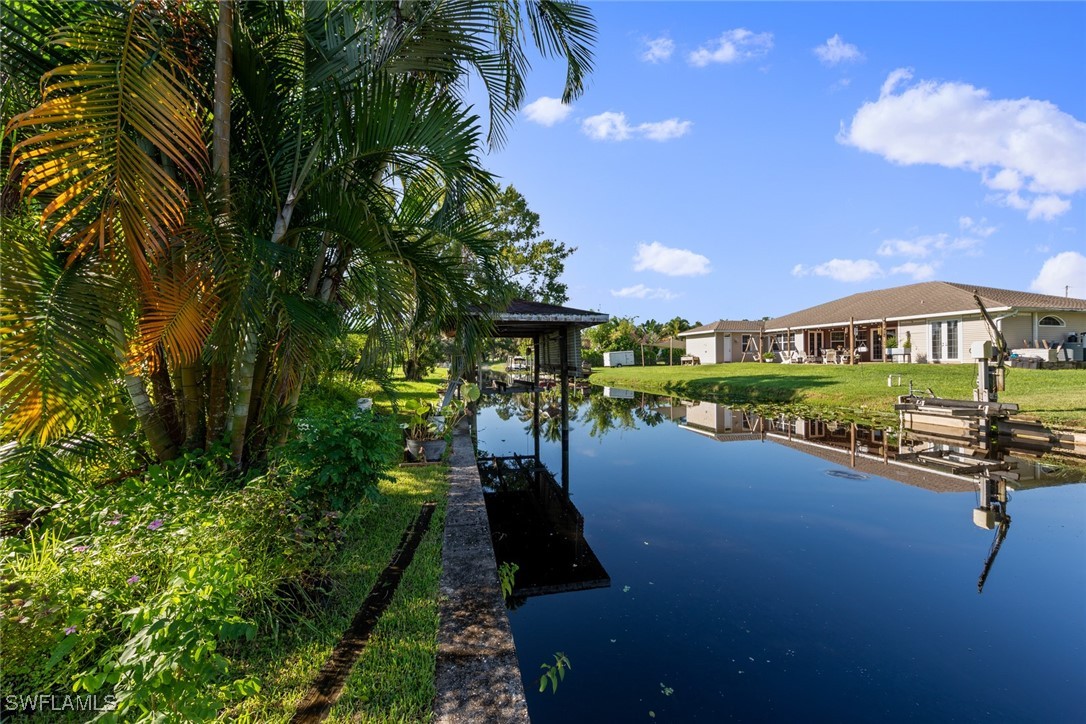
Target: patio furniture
829,356
690,360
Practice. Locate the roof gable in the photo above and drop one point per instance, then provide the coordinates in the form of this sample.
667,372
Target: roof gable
726,325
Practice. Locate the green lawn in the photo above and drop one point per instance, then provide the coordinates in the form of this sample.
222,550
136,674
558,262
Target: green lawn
1057,397
393,680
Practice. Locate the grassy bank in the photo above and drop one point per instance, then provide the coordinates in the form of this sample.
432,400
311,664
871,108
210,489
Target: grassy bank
393,680
191,593
1057,397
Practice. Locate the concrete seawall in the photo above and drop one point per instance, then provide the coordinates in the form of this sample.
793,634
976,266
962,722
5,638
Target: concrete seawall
478,677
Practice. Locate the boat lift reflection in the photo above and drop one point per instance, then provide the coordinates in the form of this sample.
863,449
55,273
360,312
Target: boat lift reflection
535,524
939,445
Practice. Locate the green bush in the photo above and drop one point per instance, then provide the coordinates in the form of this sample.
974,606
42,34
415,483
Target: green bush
134,589
337,458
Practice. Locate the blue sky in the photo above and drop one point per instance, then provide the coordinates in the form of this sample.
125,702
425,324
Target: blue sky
734,160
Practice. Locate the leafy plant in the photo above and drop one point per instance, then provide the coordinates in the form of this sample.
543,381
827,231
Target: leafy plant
554,672
170,662
420,423
507,572
339,458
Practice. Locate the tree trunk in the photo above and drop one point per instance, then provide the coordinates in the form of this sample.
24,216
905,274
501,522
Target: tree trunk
224,76
243,392
250,344
165,400
218,395
153,427
192,392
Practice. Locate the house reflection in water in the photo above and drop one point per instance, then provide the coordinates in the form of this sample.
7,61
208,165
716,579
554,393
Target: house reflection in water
938,452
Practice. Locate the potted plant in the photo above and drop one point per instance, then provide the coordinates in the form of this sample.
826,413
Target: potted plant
891,347
425,430
423,435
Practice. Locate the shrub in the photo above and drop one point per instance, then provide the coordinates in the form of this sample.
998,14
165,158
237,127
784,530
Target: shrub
134,588
338,458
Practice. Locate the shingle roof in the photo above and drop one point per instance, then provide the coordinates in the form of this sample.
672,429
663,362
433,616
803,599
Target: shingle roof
522,318
524,306
921,300
726,325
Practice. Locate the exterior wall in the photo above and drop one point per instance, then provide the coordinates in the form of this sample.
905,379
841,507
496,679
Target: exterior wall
718,347
705,415
1017,329
704,347
920,336
1073,323
973,329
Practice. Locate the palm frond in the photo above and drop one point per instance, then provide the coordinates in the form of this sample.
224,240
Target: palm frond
57,360
87,160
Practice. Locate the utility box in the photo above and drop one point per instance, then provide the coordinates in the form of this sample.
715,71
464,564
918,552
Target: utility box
981,350
984,518
618,359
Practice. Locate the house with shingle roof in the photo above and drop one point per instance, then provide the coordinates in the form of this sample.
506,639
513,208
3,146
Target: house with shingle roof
725,340
940,319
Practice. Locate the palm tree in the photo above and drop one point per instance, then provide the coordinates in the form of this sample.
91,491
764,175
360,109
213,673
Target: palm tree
338,194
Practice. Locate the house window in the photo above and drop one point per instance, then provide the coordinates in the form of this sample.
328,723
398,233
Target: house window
837,338
937,340
1050,321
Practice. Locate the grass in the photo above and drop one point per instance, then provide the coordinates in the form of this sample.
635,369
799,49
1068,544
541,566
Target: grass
393,680
1056,397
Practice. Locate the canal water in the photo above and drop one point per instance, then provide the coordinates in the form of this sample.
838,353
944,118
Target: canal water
696,564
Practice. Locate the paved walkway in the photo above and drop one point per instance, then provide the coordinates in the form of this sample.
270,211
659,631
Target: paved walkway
478,678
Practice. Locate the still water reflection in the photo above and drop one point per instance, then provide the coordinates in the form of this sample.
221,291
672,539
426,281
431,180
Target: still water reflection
702,563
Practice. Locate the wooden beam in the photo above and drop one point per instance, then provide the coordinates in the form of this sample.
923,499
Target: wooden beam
852,340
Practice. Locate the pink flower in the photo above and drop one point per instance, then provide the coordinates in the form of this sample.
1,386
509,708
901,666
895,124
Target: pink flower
80,549
69,631
155,524
134,579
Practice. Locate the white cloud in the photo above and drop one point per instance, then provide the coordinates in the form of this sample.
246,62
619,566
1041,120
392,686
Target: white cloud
547,111
919,247
640,291
924,246
1047,207
980,228
919,272
607,126
658,49
733,46
835,51
1061,271
673,262
665,130
612,126
1028,151
842,270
